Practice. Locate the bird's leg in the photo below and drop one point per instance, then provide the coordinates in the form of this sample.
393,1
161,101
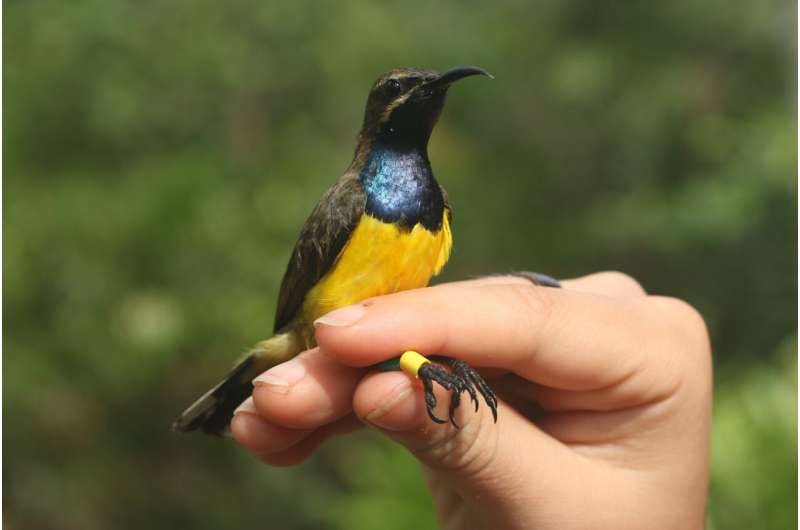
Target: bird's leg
428,373
474,381
457,377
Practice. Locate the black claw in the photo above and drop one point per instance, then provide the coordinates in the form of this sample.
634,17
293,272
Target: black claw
474,379
425,375
455,400
461,378
462,371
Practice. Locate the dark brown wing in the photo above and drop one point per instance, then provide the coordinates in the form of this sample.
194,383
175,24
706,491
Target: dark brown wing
324,235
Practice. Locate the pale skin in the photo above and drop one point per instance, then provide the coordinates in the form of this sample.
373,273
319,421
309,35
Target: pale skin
605,401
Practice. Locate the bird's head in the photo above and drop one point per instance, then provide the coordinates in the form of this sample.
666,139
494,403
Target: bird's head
404,104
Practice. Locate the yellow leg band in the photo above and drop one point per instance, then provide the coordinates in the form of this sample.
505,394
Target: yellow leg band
411,361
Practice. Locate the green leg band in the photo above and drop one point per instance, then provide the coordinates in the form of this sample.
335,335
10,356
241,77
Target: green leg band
390,365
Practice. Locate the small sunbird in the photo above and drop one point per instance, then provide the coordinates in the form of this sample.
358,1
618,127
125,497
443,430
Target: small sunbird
383,227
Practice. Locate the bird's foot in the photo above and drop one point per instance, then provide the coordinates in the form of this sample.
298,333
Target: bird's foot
460,378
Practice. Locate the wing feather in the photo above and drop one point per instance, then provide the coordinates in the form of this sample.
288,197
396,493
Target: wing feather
322,238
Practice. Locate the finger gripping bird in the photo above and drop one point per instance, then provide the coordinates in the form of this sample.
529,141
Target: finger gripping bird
383,227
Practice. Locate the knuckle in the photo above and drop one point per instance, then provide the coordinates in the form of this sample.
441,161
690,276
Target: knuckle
686,325
681,313
622,282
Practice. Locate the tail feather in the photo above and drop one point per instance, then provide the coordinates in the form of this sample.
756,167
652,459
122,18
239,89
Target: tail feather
213,411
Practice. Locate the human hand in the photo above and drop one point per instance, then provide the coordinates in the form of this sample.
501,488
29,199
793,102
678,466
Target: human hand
605,401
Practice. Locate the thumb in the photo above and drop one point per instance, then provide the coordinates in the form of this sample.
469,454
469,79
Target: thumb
480,458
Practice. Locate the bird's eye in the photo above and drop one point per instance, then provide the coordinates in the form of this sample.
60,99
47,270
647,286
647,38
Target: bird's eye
393,87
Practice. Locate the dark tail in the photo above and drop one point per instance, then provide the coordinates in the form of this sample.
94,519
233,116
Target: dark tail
212,413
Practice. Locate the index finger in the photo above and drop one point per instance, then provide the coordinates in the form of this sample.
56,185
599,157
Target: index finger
555,337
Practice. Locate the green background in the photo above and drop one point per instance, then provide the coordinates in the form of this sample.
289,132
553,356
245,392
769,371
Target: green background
160,158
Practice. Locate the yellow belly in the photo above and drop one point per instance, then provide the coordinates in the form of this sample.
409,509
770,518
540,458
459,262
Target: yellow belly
379,259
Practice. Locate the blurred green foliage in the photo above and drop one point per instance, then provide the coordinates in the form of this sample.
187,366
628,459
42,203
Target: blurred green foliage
754,469
160,158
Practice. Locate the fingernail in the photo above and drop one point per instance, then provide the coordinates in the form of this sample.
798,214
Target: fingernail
398,394
248,405
280,378
346,316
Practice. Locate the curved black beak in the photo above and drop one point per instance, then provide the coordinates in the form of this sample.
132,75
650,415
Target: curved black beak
454,74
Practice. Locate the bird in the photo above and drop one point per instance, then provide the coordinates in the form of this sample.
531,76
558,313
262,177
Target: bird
383,227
